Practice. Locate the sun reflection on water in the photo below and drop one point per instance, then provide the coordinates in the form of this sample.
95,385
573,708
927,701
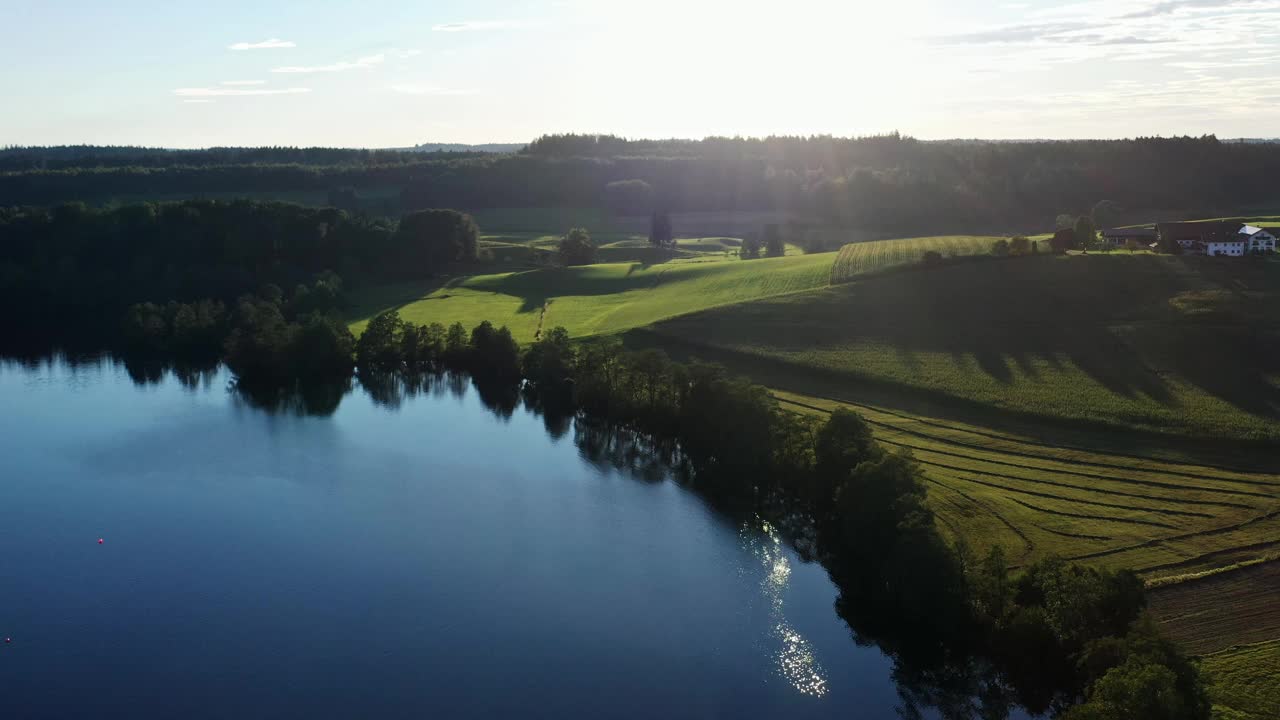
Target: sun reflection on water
794,655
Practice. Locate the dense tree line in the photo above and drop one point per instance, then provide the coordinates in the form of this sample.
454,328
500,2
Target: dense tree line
885,183
74,270
65,157
390,343
268,339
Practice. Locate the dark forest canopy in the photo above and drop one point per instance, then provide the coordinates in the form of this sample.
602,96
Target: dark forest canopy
66,157
73,269
890,182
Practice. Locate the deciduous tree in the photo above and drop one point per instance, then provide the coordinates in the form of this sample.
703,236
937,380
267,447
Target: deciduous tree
576,248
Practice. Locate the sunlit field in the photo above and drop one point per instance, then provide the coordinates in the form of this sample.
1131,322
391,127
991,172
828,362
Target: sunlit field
596,299
1125,341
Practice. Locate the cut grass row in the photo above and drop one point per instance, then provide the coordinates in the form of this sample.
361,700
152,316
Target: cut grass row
1156,515
1192,612
861,258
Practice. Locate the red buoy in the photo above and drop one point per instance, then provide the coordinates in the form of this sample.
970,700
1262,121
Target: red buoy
8,640
99,541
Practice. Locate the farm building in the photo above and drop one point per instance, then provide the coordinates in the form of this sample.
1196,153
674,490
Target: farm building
1259,239
1219,238
1120,237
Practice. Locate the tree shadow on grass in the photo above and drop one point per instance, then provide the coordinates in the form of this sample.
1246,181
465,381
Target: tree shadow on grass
1108,319
535,287
1240,365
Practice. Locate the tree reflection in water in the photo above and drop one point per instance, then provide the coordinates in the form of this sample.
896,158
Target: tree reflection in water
941,665
301,399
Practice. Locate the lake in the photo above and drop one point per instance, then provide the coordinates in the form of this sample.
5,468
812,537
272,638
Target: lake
418,558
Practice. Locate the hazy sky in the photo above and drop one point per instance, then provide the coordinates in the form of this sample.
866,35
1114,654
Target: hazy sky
383,73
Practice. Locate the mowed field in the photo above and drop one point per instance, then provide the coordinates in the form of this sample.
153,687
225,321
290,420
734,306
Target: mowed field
1193,610
1163,517
596,299
861,258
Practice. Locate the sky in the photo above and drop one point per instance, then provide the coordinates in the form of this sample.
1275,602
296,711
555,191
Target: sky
395,73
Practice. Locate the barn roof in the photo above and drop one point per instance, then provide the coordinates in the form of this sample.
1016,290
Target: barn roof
1217,231
1142,232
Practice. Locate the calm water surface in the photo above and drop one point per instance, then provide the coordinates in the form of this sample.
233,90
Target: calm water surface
430,560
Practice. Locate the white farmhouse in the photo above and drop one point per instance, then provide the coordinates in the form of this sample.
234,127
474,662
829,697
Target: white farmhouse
1220,238
1230,245
1258,239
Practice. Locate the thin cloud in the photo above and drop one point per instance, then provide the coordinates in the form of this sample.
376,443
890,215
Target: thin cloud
197,101
1017,33
1166,20
478,25
207,92
1098,39
243,82
405,89
364,63
273,43
1131,40
1169,7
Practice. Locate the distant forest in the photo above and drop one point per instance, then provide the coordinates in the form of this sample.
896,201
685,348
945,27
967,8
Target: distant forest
74,270
97,157
888,183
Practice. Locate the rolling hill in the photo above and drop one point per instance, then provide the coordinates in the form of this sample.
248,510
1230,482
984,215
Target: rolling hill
1184,346
596,299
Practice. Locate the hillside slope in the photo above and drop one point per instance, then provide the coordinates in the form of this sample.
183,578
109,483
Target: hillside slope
597,299
1187,346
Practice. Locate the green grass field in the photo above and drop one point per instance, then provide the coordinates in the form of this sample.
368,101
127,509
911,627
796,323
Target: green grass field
1160,344
860,258
506,237
596,299
1257,220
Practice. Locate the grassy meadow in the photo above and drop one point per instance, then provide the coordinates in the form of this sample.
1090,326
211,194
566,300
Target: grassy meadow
596,299
507,240
1145,342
